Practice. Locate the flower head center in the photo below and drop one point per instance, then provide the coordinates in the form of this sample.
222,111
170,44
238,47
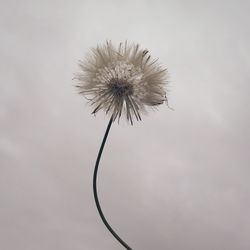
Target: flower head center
120,87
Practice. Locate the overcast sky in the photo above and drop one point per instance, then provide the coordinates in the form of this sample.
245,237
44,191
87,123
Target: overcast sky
178,180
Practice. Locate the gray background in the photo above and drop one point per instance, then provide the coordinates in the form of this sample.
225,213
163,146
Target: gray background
179,180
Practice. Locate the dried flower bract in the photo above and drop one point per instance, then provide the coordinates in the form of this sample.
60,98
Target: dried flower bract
122,80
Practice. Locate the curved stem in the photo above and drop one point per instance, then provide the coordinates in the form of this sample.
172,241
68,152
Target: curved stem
95,189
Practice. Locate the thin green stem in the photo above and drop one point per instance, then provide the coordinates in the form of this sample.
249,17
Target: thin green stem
95,189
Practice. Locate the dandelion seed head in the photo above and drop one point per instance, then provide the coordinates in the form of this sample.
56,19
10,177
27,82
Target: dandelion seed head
122,80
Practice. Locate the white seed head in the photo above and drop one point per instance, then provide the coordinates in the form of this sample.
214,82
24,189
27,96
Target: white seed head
122,80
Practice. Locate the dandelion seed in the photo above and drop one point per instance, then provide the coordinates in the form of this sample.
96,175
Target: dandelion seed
122,80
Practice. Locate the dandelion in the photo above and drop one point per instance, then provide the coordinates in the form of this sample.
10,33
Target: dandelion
123,80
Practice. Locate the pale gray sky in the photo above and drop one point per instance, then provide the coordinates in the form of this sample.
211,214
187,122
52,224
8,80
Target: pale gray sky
179,180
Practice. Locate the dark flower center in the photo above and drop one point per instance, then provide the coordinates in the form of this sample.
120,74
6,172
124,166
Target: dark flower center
120,87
